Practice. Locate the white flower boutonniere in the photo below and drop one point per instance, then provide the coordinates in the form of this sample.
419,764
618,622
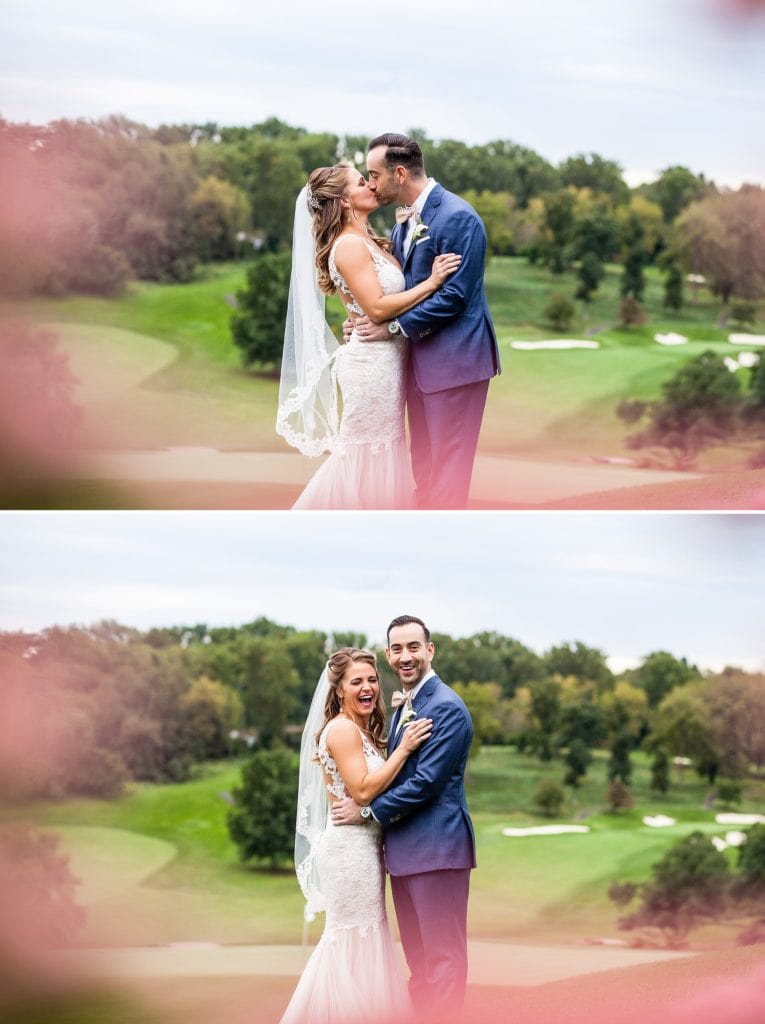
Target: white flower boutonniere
420,233
408,714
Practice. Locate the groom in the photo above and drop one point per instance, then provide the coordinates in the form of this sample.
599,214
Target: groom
428,834
453,347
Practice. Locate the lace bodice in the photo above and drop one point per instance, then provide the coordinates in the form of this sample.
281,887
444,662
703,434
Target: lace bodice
389,275
336,786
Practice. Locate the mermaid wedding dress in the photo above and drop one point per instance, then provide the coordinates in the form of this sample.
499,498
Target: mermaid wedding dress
368,467
354,970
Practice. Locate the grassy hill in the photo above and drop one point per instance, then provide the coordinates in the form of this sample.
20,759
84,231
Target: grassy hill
197,393
158,865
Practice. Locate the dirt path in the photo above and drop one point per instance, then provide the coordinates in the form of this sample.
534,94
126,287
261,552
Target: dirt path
188,477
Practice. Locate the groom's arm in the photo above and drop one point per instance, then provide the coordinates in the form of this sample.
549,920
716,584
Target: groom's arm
462,232
437,759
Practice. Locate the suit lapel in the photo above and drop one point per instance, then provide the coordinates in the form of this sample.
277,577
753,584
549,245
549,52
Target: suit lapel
393,733
428,211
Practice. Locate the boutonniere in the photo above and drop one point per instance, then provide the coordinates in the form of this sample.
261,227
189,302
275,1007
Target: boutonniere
420,233
408,714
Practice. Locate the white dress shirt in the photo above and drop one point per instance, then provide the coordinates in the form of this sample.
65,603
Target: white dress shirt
418,205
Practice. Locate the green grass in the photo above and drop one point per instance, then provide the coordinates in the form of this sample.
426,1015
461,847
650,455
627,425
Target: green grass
158,367
158,864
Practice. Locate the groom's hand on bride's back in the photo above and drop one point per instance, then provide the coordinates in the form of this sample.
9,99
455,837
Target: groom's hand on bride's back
345,812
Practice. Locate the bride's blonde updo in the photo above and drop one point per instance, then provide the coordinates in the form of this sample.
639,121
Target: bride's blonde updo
326,187
337,666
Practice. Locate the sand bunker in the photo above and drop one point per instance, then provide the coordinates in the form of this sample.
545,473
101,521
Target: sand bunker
658,821
740,819
555,343
746,339
544,830
671,339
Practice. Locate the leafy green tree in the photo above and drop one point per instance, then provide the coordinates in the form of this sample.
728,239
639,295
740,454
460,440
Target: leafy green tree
620,762
698,407
270,684
579,660
673,287
497,211
487,657
683,726
750,881
484,702
262,821
590,274
660,771
660,672
257,326
688,884
544,717
595,173
634,256
219,211
578,759
674,189
558,230
212,712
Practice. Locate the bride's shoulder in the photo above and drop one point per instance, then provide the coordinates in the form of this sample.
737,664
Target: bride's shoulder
350,248
343,731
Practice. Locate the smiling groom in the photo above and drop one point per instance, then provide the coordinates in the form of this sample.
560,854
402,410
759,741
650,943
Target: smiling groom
453,350
429,843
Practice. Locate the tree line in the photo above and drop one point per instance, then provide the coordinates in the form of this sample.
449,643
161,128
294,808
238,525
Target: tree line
88,709
89,204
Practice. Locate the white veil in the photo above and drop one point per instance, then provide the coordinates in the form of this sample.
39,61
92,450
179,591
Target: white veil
313,803
308,414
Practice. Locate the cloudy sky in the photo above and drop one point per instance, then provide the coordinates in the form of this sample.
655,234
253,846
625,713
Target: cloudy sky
626,583
647,84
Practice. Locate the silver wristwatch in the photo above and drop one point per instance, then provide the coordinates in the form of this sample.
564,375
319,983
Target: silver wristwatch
365,812
394,327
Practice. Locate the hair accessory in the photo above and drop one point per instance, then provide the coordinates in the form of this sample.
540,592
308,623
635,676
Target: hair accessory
312,200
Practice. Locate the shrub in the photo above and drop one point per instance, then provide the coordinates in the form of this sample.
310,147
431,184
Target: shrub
743,314
729,792
549,798
262,823
560,311
619,797
257,326
630,312
689,883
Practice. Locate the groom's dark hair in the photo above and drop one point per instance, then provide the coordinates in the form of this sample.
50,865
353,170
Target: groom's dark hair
406,620
400,151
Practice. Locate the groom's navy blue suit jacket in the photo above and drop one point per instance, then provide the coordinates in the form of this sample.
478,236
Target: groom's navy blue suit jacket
451,333
424,814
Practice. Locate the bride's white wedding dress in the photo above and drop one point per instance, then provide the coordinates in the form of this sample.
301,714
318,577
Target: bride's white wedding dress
353,971
369,468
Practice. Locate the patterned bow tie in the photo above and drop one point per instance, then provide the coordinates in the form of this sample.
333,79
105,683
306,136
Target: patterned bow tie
404,213
398,698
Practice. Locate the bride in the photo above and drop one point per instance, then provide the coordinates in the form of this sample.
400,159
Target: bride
335,251
354,967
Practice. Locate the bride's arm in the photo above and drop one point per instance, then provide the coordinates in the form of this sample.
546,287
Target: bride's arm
354,261
344,744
